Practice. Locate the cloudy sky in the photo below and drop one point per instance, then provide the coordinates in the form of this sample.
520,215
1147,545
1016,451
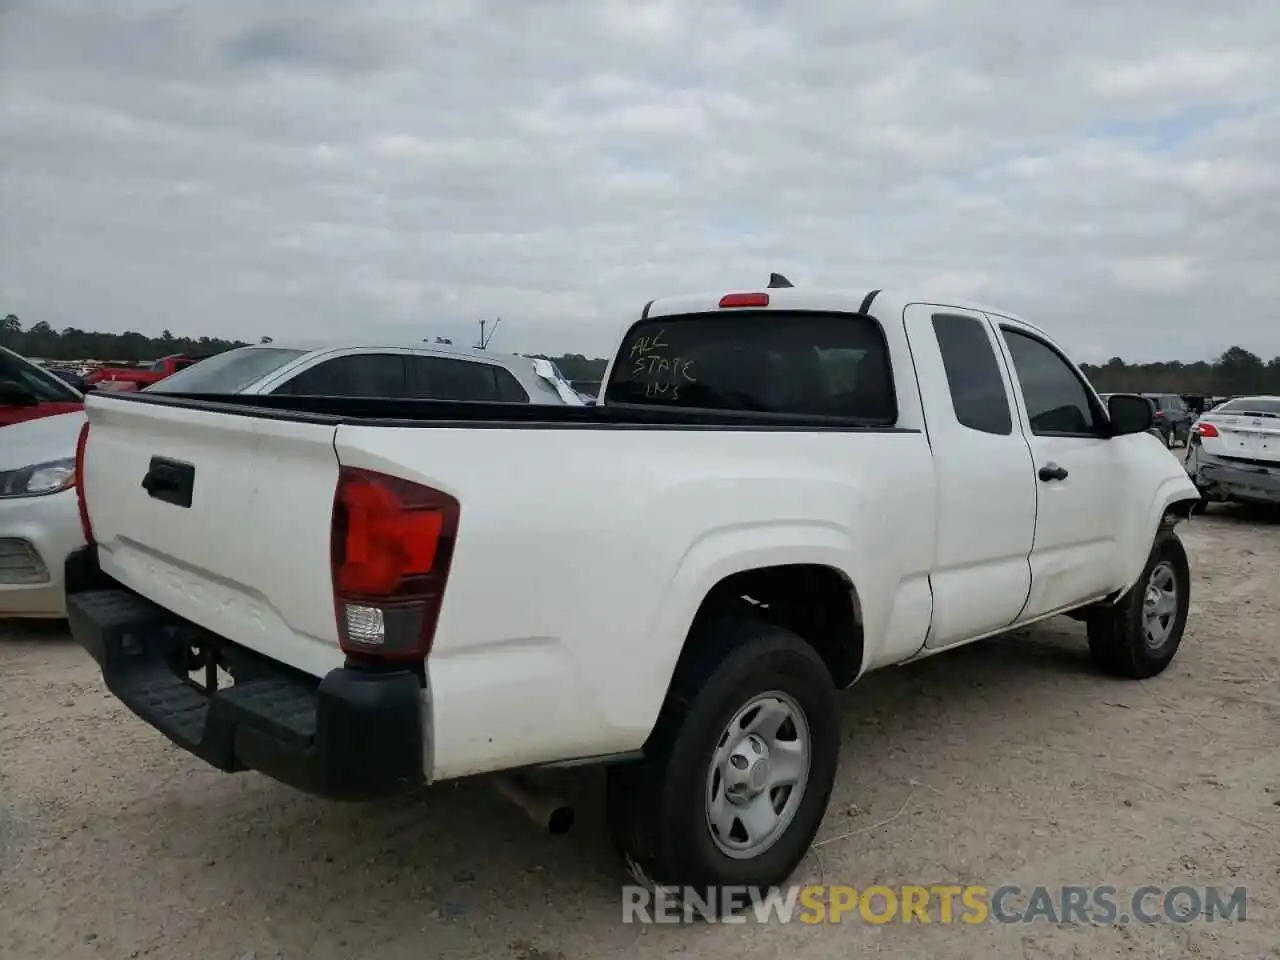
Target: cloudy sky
1110,170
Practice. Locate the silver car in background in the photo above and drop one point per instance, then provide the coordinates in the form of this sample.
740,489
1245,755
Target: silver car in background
40,523
359,369
1233,452
39,513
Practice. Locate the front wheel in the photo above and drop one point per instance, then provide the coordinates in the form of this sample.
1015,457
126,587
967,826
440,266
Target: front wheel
1139,635
739,769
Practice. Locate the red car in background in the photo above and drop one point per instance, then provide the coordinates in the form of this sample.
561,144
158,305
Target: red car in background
137,378
28,392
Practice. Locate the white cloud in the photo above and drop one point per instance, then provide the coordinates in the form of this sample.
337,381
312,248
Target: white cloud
1158,276
1185,73
328,167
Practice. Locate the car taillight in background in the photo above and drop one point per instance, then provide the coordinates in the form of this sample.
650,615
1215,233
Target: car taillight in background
391,546
81,442
1204,430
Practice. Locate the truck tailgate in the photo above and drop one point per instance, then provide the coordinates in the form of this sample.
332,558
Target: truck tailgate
249,556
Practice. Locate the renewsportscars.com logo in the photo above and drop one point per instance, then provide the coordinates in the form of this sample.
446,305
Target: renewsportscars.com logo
938,903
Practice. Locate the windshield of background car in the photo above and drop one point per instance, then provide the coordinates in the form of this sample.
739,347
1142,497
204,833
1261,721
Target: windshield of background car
41,384
796,362
228,372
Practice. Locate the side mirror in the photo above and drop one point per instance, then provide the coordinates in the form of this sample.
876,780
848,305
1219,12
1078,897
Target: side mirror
1129,413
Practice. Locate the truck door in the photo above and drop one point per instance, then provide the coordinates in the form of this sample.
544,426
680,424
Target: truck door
986,483
1077,474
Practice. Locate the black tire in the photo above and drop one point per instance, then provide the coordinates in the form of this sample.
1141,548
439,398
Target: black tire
1117,635
657,807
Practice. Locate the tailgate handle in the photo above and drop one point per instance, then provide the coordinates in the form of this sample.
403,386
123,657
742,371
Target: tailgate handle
170,481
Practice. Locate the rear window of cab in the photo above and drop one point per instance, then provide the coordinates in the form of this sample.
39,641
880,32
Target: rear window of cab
799,363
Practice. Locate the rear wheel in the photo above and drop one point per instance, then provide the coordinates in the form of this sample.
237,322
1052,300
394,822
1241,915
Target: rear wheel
739,768
1139,635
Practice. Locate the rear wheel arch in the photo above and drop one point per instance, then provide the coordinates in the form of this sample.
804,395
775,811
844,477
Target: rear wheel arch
817,602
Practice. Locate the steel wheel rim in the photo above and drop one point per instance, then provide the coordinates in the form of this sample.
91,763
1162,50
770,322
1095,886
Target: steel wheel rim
1159,605
757,776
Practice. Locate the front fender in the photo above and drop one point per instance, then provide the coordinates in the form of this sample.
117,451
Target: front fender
1172,491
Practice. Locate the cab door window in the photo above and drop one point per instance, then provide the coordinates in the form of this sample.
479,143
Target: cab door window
1058,402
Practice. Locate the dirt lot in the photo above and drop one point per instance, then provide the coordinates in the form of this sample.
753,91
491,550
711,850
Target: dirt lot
1009,762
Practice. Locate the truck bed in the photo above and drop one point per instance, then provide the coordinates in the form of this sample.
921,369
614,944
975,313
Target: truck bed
375,411
579,562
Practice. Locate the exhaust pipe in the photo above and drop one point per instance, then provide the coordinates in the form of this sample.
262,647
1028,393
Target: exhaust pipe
546,811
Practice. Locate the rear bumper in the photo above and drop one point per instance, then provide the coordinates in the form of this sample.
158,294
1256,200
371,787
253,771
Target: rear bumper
1226,480
352,735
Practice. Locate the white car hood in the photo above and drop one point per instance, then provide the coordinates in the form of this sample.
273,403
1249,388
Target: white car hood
39,441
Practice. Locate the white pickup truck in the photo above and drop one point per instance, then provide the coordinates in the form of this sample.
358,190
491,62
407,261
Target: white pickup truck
779,492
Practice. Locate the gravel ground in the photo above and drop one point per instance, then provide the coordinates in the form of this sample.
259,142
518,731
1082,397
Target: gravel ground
1009,762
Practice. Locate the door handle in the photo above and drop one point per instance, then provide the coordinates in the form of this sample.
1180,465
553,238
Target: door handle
161,478
1051,471
170,481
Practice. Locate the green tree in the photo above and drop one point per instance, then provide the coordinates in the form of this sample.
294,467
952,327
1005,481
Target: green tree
72,343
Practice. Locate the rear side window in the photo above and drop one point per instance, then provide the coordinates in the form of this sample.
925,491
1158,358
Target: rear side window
443,378
33,380
1257,406
973,374
228,372
357,375
784,362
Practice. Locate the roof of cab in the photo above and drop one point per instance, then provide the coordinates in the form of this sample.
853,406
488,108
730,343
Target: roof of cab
844,300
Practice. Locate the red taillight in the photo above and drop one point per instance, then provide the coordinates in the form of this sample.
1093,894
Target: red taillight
744,300
81,442
1205,430
391,545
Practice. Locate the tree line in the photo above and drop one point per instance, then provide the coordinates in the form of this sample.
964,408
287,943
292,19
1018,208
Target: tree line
1237,371
42,341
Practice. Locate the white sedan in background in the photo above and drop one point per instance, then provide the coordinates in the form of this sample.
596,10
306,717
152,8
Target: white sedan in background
39,512
1233,451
